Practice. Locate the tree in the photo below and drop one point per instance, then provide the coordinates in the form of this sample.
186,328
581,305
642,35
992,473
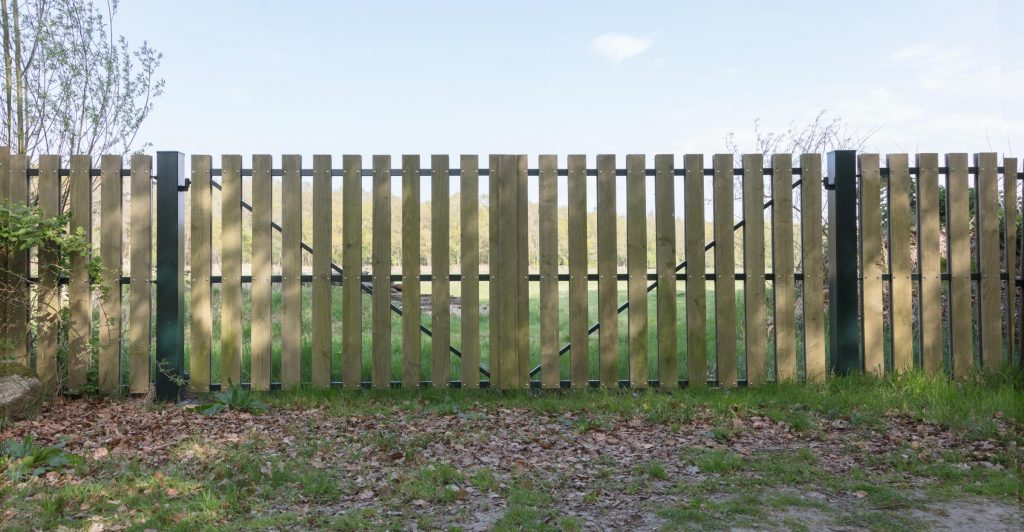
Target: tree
820,135
70,84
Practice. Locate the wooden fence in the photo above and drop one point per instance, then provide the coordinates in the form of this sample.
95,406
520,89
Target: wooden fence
733,303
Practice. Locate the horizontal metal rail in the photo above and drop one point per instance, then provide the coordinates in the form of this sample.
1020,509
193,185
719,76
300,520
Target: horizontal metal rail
534,385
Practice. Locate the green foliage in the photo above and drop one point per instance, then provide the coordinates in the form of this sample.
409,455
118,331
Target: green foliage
25,458
234,398
23,227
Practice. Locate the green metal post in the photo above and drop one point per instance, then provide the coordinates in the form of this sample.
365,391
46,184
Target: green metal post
170,275
844,327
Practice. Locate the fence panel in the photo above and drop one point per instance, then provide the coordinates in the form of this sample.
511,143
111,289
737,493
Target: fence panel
112,223
754,302
901,302
665,230
812,265
696,295
261,290
547,213
990,320
48,302
411,351
959,261
440,316
636,251
579,353
231,270
929,263
352,268
79,291
470,267
725,272
322,291
782,266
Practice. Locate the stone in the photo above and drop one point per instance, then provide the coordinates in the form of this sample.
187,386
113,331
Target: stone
21,393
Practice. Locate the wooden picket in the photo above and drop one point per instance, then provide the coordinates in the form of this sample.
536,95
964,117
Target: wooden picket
912,191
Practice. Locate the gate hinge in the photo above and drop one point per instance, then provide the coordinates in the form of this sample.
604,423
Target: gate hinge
184,188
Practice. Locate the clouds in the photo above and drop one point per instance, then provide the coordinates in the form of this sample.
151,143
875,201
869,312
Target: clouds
618,47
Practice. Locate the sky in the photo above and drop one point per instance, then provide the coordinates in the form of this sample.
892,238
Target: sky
591,77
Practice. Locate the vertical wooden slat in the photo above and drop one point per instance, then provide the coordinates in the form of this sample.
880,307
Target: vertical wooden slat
199,277
607,283
871,264
929,263
352,268
782,266
112,223
1010,247
547,215
813,267
381,362
291,271
48,291
321,304
989,308
959,263
636,258
665,229
900,292
440,318
754,312
5,278
18,299
262,203
469,191
140,304
725,272
411,271
501,223
522,274
696,291
231,270
79,292
509,352
493,330
579,356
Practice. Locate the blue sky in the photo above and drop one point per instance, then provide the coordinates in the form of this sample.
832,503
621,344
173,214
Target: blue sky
577,77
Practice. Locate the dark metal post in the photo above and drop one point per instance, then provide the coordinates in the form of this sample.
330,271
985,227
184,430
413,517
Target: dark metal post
170,275
844,328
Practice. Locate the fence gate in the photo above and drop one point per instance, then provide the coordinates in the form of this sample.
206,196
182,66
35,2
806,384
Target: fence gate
685,273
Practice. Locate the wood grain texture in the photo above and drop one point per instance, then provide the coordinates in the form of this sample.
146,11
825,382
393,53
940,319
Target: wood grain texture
547,214
929,263
990,317
959,263
440,264
48,302
411,252
636,261
111,244
665,256
725,272
79,291
1010,207
813,261
901,302
5,278
200,306
754,302
380,362
782,266
607,283
231,269
696,286
291,271
871,264
323,194
522,274
493,331
18,289
141,295
352,269
579,355
470,265
262,203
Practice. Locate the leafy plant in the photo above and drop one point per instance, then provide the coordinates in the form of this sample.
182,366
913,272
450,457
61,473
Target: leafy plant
23,227
26,458
234,398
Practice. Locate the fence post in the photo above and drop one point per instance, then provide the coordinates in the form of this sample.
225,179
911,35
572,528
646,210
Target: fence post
170,275
844,328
